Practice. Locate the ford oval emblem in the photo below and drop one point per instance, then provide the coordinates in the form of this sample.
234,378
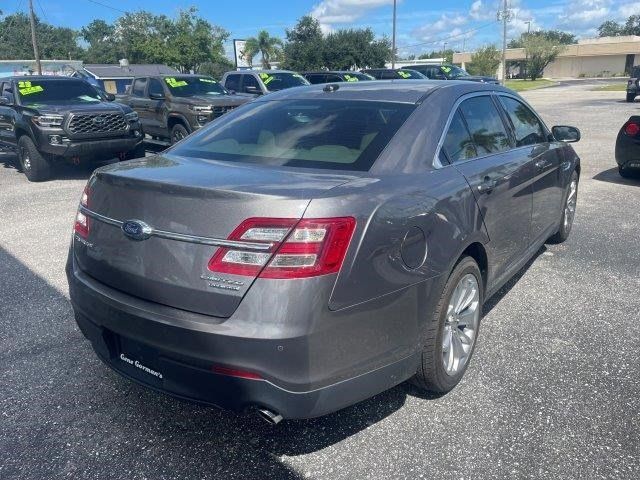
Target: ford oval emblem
136,230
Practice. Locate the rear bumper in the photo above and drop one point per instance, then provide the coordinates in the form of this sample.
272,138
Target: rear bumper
177,345
628,151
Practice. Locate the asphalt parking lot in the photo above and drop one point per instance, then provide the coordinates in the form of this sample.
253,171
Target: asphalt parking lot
553,390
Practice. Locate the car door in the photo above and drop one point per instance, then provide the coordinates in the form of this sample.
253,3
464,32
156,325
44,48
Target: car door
532,139
251,86
156,109
478,144
232,82
139,102
7,119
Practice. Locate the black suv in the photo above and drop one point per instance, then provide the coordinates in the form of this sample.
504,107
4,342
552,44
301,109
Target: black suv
436,71
45,119
173,106
633,84
336,76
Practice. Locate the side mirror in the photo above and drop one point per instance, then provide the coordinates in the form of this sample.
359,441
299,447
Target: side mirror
156,96
566,134
252,89
109,96
4,100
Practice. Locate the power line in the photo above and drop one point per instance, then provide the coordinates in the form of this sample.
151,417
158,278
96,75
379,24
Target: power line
44,15
107,6
450,37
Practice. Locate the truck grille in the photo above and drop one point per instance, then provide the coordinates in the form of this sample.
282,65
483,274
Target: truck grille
220,110
111,122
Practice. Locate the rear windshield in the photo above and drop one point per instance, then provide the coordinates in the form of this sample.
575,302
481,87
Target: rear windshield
45,92
190,86
282,80
325,134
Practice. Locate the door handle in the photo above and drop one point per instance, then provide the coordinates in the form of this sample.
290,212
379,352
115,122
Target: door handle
487,185
540,164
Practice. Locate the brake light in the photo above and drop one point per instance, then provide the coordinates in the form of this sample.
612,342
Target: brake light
299,249
632,129
81,226
235,372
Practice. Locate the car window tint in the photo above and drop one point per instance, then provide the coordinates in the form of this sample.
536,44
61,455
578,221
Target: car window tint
458,144
249,81
327,134
138,87
485,125
527,128
333,78
232,82
155,86
316,78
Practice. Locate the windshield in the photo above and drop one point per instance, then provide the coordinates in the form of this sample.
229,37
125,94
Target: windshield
451,71
411,75
36,92
281,80
326,134
190,86
357,77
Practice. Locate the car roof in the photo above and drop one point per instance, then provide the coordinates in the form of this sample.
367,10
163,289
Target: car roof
261,71
340,72
400,91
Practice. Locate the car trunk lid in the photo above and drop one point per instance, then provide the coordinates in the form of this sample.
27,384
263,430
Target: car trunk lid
191,204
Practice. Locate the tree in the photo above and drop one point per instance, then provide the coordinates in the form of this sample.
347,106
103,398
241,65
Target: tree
54,42
556,36
303,50
485,61
267,46
102,46
355,48
446,54
615,29
540,52
216,68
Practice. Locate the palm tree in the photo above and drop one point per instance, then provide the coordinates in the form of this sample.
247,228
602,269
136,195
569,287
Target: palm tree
269,47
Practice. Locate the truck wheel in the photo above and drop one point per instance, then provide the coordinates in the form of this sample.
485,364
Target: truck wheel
138,152
178,132
624,173
36,167
631,97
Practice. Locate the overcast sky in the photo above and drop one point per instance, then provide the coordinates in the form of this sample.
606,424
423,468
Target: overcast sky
423,25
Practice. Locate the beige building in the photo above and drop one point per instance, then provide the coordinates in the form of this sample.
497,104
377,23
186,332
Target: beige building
606,56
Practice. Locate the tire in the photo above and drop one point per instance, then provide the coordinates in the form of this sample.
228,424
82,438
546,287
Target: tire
631,97
437,373
624,172
178,132
138,152
568,211
33,164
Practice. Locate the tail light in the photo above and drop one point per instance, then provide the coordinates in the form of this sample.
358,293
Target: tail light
81,226
632,129
299,249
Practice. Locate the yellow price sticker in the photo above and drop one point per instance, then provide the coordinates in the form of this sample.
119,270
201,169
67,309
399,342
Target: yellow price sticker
446,69
404,74
172,82
350,78
26,88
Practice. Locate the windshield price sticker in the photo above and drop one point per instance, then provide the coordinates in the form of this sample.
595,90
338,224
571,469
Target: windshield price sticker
446,69
25,88
404,74
173,83
266,78
350,78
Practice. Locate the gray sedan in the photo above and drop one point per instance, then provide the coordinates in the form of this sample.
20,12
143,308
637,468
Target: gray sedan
319,245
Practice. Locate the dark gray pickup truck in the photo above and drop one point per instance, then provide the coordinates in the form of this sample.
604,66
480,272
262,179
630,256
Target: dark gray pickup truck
170,107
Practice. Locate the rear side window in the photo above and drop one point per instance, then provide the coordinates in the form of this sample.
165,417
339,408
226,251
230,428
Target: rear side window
324,134
527,128
485,125
155,87
316,78
458,144
232,82
139,85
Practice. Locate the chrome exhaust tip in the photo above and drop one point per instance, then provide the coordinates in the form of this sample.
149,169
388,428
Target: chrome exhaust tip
268,416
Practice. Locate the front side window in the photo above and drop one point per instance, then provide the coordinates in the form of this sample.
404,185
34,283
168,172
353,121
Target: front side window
155,87
485,125
138,87
232,82
55,92
182,86
527,128
458,145
324,134
281,80
250,81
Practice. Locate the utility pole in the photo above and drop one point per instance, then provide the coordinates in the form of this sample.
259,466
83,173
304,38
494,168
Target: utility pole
393,41
505,16
36,54
526,53
444,52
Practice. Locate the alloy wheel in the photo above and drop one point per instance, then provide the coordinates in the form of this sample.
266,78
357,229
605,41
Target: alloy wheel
570,207
461,324
25,158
